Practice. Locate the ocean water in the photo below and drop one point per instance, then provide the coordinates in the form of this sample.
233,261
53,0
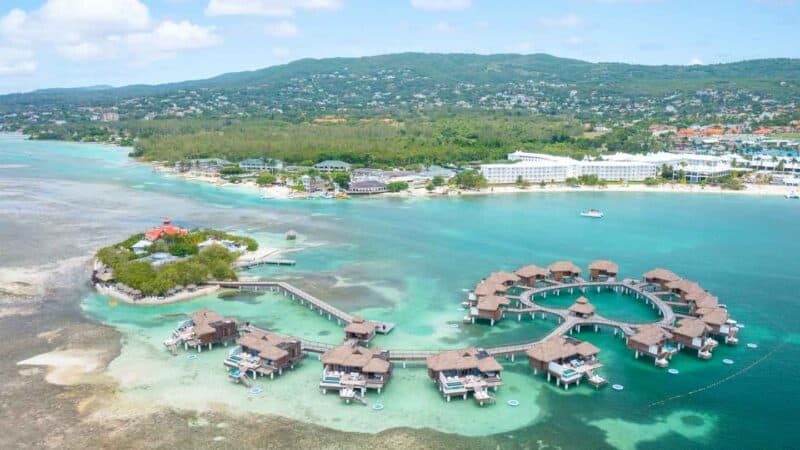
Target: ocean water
408,261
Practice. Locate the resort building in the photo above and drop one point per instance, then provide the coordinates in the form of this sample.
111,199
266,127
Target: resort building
459,372
262,353
259,165
602,270
489,308
582,308
567,359
565,271
506,279
654,341
141,247
530,274
693,333
352,370
366,187
686,289
537,167
359,330
660,277
720,323
165,230
332,166
532,172
205,327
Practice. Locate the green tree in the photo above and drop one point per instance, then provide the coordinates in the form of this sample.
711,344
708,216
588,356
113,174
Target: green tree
265,179
397,186
469,179
231,170
342,179
437,181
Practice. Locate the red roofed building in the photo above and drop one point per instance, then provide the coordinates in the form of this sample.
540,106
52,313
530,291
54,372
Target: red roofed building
167,229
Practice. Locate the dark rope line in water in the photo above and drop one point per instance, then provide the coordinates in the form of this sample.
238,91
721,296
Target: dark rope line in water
719,382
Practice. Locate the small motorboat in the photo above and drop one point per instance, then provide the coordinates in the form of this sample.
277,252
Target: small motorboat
792,194
593,213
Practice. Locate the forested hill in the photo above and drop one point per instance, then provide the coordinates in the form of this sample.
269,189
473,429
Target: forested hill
400,80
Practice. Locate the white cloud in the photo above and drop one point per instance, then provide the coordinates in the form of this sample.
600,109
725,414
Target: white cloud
268,8
696,62
95,29
566,21
15,61
441,5
282,29
443,27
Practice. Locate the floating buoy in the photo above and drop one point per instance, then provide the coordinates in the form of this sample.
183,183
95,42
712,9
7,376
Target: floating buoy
674,371
513,402
752,345
617,387
256,390
727,361
377,406
191,357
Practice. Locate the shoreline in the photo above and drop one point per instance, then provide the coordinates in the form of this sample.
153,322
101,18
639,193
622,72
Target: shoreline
283,193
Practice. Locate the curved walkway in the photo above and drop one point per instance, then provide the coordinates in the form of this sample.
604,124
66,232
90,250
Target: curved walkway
567,322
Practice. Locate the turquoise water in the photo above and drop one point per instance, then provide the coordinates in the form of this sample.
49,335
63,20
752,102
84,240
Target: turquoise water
407,261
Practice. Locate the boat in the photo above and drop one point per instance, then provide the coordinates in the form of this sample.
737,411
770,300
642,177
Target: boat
593,213
792,194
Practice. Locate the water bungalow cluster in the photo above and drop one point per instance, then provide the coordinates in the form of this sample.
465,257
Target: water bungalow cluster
690,318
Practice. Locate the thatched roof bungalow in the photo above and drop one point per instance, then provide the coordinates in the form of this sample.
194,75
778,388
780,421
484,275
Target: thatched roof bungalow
458,372
693,333
652,340
211,328
532,273
489,307
265,353
355,367
721,325
506,279
660,277
686,289
563,269
566,359
603,269
360,330
582,308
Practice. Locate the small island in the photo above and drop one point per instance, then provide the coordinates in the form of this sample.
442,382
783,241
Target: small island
169,263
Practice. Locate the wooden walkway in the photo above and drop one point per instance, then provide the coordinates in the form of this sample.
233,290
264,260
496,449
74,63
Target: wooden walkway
303,297
268,261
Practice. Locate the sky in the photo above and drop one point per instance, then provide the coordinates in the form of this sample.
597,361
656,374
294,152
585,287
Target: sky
68,43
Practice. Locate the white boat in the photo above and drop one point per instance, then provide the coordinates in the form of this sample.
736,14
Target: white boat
593,213
792,194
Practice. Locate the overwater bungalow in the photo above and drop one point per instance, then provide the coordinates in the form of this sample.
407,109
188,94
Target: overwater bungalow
530,274
686,289
506,279
564,271
693,333
720,322
701,300
204,328
567,359
486,288
488,308
602,270
359,330
353,369
459,372
582,308
262,353
654,341
660,277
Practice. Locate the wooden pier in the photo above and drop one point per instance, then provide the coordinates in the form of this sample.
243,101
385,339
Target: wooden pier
304,298
264,262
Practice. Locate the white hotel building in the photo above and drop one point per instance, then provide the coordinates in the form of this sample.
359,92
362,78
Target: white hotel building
535,167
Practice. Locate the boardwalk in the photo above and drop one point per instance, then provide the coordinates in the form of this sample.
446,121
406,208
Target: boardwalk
303,297
566,324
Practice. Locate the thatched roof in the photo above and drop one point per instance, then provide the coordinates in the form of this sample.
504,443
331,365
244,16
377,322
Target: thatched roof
358,357
465,359
203,320
704,301
360,326
502,277
691,328
564,266
488,288
714,316
532,271
266,344
582,306
661,274
559,347
492,302
650,335
686,286
604,265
